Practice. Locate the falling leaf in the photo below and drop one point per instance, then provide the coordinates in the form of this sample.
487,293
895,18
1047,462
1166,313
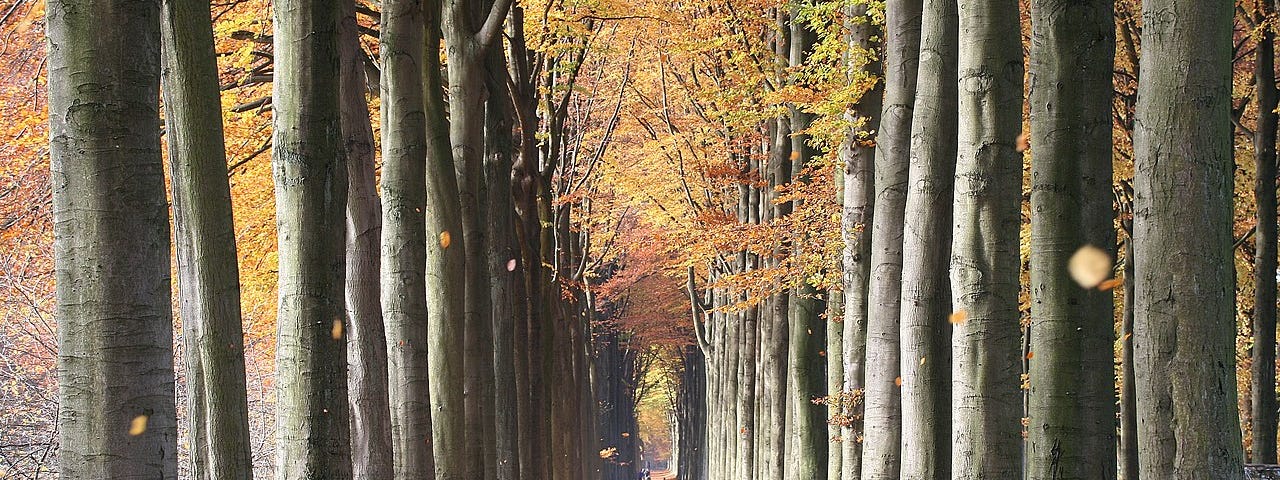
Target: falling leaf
1024,142
445,239
138,425
511,265
1089,266
626,434
1031,355
1110,284
336,332
822,353
898,381
1126,336
921,360
958,317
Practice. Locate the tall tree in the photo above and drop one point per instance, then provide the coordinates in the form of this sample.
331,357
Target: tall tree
1263,370
404,237
458,299
883,417
986,434
1184,328
858,156
311,189
371,454
116,412
208,275
926,251
806,336
1072,420
506,290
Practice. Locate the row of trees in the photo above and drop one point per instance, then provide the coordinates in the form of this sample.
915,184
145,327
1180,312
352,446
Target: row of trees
436,319
955,344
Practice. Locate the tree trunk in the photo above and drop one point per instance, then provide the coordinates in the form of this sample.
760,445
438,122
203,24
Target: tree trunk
208,276
986,433
366,340
1128,388
111,241
807,450
1072,423
505,286
311,188
1184,327
404,237
858,156
926,294
883,406
1263,370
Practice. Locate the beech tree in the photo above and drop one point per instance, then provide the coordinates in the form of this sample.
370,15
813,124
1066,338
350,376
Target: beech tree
404,238
985,432
204,231
1072,422
883,418
926,294
1183,324
1263,372
313,434
116,415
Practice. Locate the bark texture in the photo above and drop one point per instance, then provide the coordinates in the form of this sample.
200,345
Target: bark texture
926,250
312,430
111,241
371,454
204,231
1072,419
404,237
986,434
1184,325
883,417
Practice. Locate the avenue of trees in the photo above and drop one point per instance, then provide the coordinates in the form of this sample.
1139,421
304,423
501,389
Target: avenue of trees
815,239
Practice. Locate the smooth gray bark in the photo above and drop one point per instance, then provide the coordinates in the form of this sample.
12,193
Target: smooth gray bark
986,432
111,241
1072,426
312,430
371,454
858,156
204,231
1184,323
404,237
926,247
883,419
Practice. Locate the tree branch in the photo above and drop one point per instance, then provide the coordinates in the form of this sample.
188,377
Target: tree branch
493,24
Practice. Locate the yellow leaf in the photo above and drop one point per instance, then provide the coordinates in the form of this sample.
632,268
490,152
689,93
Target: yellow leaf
337,329
958,317
138,425
445,239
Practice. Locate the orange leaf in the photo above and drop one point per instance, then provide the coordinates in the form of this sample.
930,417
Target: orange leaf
898,381
336,331
445,239
958,317
1110,284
